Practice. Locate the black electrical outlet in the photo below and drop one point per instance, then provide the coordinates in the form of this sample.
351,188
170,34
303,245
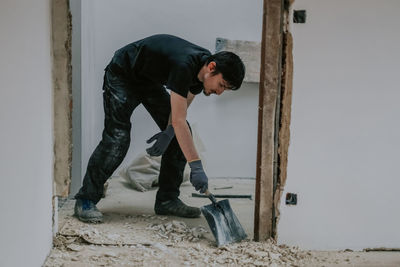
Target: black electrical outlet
291,199
299,16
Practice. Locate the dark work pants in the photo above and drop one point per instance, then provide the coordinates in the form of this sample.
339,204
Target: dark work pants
120,99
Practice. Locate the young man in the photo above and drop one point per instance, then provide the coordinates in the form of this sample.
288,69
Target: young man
140,73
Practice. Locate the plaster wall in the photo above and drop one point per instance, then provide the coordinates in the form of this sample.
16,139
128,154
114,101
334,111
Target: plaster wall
227,124
26,139
343,156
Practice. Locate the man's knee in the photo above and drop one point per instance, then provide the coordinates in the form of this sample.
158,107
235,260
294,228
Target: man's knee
119,137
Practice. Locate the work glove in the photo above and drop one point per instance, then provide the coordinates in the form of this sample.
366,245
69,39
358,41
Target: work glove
198,177
163,139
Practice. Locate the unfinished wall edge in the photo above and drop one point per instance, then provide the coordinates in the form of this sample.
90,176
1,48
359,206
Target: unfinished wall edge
286,103
62,84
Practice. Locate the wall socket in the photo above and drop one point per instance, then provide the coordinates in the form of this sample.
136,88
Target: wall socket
291,199
299,16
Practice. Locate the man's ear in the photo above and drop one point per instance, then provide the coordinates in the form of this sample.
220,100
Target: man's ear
211,66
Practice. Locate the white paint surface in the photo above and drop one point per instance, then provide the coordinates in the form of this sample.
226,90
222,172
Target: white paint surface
344,152
226,124
26,140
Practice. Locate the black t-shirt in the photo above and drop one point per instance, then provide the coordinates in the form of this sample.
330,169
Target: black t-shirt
164,59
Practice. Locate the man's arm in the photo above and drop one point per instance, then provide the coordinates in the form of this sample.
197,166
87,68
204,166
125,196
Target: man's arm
189,98
179,106
163,138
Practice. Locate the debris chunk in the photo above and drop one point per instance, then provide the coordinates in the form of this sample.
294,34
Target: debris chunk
177,231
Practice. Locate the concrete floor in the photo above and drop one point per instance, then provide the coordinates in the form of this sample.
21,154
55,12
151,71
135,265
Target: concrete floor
122,202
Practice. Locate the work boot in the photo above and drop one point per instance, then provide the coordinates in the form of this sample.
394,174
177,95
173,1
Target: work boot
176,207
86,211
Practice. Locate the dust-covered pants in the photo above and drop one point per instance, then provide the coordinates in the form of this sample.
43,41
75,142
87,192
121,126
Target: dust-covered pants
120,98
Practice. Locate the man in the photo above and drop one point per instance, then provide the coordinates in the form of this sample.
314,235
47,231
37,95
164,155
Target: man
140,73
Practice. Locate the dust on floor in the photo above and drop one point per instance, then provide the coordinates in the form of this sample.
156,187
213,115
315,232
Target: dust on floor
145,240
132,235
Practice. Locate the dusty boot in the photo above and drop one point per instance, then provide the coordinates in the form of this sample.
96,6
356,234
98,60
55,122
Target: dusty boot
86,211
177,208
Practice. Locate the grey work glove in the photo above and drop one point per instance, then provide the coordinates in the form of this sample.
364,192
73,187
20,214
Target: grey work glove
198,177
163,139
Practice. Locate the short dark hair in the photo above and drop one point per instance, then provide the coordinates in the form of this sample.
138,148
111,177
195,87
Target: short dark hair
230,66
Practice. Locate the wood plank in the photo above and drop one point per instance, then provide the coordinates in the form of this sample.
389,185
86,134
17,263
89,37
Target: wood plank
271,47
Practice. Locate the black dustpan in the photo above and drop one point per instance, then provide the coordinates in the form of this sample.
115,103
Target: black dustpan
223,223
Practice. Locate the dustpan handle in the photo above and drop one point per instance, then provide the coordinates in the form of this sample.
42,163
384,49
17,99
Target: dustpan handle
210,196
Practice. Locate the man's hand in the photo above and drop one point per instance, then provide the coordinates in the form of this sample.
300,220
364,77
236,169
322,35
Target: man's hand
163,139
198,177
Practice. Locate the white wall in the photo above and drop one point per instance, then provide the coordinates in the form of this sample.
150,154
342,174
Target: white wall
226,124
344,152
26,140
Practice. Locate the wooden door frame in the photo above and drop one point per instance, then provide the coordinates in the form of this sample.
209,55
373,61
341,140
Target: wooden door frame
273,116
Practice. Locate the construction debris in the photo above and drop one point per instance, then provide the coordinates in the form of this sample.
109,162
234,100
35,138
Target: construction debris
177,231
223,196
223,187
381,249
247,254
150,240
164,253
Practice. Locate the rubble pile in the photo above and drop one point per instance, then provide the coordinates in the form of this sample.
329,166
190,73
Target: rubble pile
180,254
177,231
246,254
148,240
